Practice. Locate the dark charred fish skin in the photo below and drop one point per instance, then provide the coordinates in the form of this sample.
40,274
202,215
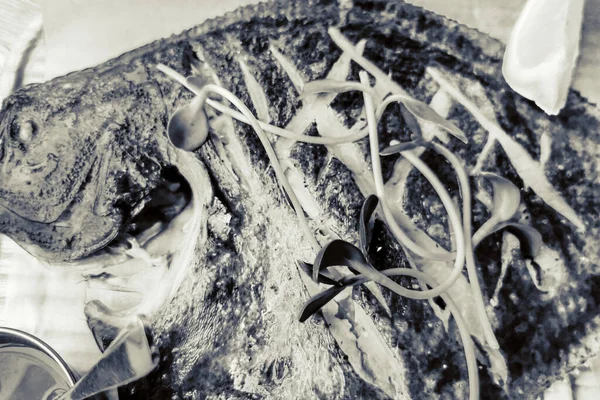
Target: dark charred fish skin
196,337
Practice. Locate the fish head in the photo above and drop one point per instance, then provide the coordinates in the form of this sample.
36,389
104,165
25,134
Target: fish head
70,174
46,155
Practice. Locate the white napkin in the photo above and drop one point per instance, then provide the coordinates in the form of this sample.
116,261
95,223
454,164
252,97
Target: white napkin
46,302
542,52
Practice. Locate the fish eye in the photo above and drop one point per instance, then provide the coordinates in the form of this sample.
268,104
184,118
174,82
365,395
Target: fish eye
23,132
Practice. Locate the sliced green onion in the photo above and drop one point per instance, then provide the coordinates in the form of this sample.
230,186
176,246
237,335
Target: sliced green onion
318,301
465,189
332,86
453,213
265,126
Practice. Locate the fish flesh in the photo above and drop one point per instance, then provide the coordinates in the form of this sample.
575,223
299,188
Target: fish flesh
83,155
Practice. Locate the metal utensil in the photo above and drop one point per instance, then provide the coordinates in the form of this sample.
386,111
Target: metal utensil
44,358
127,359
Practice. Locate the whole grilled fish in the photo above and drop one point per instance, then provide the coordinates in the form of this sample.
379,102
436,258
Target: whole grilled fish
82,155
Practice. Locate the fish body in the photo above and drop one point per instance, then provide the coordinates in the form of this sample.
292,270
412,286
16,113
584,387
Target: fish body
231,330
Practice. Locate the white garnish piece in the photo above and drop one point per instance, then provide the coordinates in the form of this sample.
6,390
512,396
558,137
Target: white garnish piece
257,94
498,368
509,244
545,149
341,69
289,68
483,156
553,272
542,51
309,204
441,103
528,169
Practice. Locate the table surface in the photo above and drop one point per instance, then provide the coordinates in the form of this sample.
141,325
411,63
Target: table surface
88,25
21,276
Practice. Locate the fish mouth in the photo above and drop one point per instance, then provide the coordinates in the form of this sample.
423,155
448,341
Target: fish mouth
82,231
166,202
